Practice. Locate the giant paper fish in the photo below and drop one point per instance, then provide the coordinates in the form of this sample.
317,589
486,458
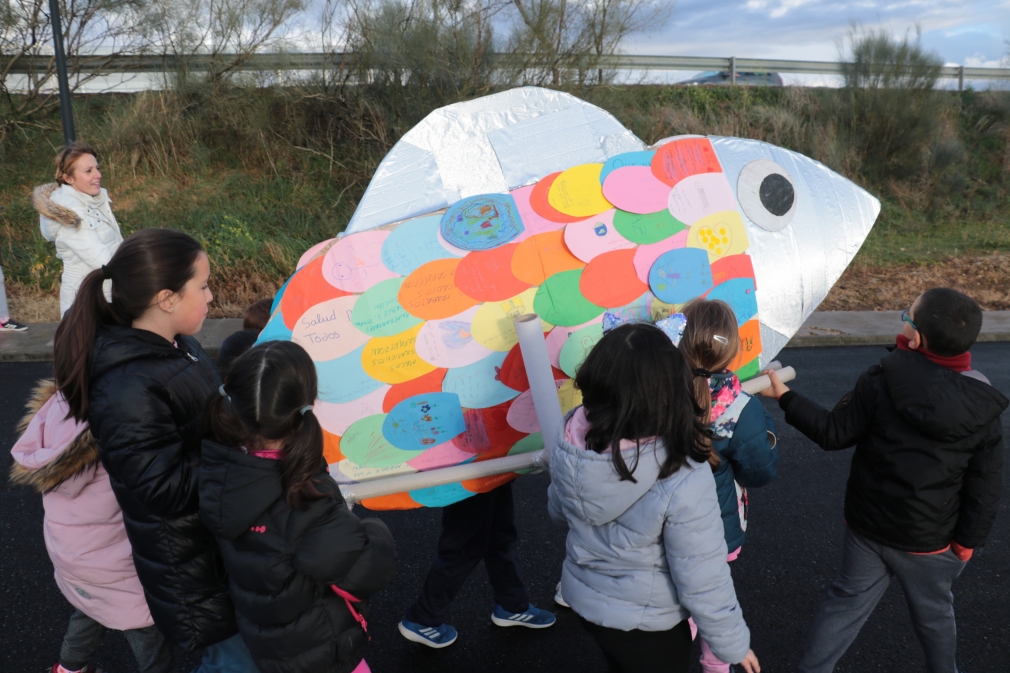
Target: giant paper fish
535,201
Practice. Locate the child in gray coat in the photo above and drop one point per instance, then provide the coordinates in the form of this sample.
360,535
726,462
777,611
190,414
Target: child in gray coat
630,479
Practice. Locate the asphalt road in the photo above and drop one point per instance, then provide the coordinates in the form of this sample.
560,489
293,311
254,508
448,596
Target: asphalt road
791,555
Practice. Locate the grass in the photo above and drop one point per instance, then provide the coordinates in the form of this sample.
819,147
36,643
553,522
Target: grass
260,175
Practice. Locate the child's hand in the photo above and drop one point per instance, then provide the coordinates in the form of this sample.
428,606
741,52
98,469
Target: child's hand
777,388
750,662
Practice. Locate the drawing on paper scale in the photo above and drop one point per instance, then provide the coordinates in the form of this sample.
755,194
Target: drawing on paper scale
535,201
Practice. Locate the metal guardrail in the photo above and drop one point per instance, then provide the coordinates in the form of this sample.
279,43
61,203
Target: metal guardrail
319,61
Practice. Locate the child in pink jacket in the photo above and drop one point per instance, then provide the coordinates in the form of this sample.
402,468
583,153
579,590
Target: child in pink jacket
85,537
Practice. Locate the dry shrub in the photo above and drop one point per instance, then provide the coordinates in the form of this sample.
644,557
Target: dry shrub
892,288
30,304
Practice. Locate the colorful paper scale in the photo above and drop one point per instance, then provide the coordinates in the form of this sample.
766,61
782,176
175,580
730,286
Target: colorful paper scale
411,327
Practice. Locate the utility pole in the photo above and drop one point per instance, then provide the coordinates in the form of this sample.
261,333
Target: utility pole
66,111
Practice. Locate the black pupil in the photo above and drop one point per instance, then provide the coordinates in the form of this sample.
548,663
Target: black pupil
777,194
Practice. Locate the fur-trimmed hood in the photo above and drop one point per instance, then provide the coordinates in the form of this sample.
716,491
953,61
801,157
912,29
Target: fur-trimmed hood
55,449
42,200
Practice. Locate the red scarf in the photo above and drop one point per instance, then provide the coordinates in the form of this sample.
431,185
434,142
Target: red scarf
959,363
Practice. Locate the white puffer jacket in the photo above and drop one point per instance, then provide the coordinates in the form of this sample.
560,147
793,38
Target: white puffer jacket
84,229
646,554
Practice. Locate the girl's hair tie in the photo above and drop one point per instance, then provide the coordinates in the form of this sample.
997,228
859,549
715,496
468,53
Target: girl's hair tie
721,339
703,373
105,272
307,408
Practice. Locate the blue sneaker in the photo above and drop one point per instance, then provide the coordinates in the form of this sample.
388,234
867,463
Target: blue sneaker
432,636
533,618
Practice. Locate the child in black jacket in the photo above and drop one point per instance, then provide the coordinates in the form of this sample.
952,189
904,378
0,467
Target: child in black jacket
925,481
299,563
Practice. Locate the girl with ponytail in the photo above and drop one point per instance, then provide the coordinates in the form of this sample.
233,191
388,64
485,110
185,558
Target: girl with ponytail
300,564
131,368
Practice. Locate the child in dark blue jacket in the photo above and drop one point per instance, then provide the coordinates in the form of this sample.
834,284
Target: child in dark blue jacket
743,432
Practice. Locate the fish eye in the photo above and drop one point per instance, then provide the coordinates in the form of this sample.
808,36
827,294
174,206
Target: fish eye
767,194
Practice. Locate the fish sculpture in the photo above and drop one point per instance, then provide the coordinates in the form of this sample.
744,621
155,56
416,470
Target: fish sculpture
532,200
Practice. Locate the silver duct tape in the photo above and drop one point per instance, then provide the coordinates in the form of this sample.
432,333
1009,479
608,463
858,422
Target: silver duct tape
796,266
490,145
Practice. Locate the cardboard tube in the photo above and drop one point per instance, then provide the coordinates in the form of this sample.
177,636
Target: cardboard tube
538,369
759,383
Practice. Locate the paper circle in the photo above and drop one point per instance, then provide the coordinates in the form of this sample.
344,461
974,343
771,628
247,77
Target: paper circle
734,266
533,222
477,384
522,415
739,293
636,190
308,287
426,383
610,279
492,324
543,255
275,330
450,248
481,222
326,332
569,396
592,237
683,158
311,252
557,338
378,311
560,302
623,160
681,275
577,347
647,229
541,205
442,495
577,191
721,234
767,194
450,342
336,418
354,263
413,243
513,370
646,255
646,308
430,293
349,471
344,380
488,434
486,275
393,359
443,455
698,196
423,421
364,445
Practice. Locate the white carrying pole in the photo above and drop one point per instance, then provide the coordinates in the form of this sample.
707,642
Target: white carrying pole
354,493
533,346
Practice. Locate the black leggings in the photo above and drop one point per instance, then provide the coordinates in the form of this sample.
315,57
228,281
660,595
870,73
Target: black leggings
644,651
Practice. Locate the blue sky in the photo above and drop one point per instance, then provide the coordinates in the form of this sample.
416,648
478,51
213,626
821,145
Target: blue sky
966,32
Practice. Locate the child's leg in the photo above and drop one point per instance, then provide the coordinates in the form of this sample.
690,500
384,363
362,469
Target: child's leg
84,637
644,651
862,579
502,557
466,528
711,663
926,581
152,651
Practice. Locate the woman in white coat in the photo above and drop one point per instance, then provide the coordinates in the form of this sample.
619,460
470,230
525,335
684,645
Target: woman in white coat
76,214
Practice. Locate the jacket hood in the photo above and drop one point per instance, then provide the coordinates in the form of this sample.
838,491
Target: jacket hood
117,345
42,201
589,480
940,402
52,449
235,489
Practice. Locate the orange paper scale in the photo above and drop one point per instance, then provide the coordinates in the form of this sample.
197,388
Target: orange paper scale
734,266
331,448
542,207
541,256
750,344
610,279
486,275
307,288
428,383
485,484
683,158
388,502
430,293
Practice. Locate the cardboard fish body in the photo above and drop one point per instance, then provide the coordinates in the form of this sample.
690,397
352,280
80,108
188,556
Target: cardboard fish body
534,201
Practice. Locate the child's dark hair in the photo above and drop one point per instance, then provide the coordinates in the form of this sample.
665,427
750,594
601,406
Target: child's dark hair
146,263
949,320
257,314
266,388
636,384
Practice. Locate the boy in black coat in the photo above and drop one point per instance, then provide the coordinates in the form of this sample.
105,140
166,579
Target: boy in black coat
925,481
